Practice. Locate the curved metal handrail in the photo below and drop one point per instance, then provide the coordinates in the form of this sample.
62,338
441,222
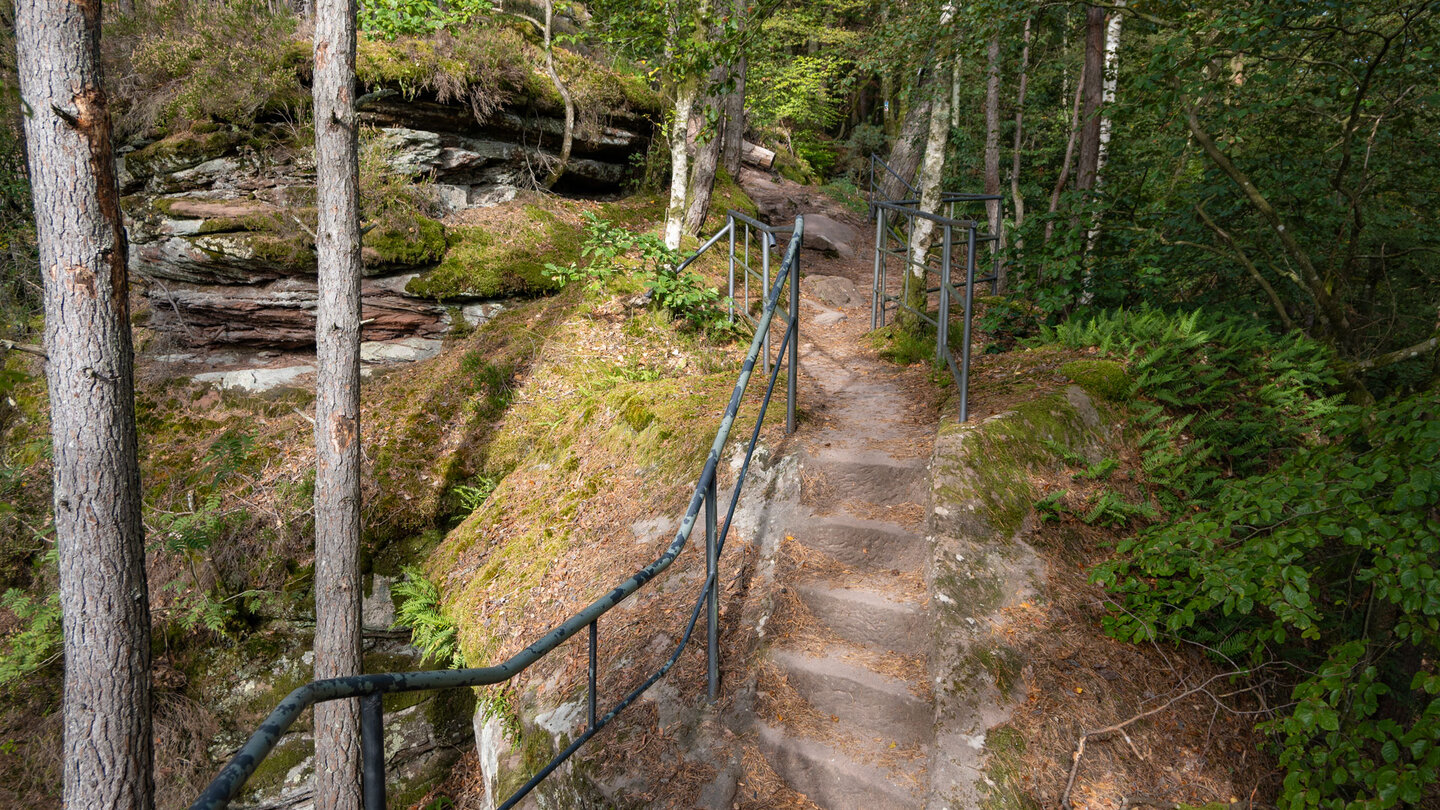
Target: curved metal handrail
231,779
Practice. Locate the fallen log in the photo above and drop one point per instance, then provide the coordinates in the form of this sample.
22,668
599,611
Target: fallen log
756,155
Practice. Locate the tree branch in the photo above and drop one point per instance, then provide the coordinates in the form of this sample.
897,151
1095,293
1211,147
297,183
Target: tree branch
1430,344
1249,266
28,348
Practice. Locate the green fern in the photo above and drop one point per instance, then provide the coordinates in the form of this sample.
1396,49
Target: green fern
431,629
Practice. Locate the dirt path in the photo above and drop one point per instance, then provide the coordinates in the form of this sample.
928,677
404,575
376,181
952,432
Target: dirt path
843,712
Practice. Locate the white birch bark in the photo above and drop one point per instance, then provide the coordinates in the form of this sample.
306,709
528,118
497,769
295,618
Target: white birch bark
679,164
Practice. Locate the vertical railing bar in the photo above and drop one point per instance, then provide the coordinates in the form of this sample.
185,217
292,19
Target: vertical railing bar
730,224
747,271
942,328
712,564
875,285
372,751
594,645
792,376
998,243
765,274
965,347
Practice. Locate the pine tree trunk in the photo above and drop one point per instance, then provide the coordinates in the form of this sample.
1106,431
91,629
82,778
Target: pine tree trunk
103,591
337,404
707,160
679,164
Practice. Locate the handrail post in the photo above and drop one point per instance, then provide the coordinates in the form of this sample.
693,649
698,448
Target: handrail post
712,565
942,320
730,224
965,348
792,374
765,273
876,288
372,750
594,645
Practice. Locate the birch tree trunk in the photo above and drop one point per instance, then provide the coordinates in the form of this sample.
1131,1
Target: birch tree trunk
104,596
909,146
1112,78
932,170
337,404
679,163
568,138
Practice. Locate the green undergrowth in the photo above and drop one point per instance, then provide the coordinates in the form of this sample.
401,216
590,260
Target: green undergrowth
1296,542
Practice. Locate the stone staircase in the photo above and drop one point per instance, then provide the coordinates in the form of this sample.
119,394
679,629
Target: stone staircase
853,630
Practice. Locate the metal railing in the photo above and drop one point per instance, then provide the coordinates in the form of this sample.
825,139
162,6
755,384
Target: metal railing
895,238
370,688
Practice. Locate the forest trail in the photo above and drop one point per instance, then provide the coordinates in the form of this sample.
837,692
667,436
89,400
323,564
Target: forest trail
844,715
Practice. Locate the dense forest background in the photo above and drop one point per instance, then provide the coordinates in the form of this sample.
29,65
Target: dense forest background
1236,199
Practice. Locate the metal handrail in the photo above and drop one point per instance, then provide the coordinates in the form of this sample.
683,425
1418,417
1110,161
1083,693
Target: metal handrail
369,688
881,210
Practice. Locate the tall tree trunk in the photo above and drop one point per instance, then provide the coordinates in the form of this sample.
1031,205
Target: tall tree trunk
733,133
104,596
679,163
909,146
1092,84
1016,196
337,404
1112,78
992,140
932,171
1068,159
707,159
568,138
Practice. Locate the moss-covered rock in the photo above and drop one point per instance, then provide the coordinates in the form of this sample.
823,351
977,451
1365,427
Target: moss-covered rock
181,151
411,240
1105,379
481,263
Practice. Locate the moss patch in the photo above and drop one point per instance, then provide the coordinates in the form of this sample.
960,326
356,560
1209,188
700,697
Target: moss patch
181,151
1105,379
486,262
405,240
1004,786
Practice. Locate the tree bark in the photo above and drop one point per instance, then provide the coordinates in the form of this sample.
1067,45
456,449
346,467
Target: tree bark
337,404
1068,159
679,163
1112,78
909,146
932,170
1092,82
992,139
568,138
733,133
104,595
707,159
1019,199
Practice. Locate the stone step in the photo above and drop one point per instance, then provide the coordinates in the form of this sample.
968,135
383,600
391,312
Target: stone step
875,705
873,477
869,618
830,778
869,545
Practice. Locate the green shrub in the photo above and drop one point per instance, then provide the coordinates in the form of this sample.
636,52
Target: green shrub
37,641
1324,570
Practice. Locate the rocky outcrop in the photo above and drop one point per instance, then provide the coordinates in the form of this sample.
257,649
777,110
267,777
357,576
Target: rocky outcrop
220,223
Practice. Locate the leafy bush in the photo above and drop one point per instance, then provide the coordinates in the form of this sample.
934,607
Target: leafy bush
434,632
1328,565
612,250
1302,538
